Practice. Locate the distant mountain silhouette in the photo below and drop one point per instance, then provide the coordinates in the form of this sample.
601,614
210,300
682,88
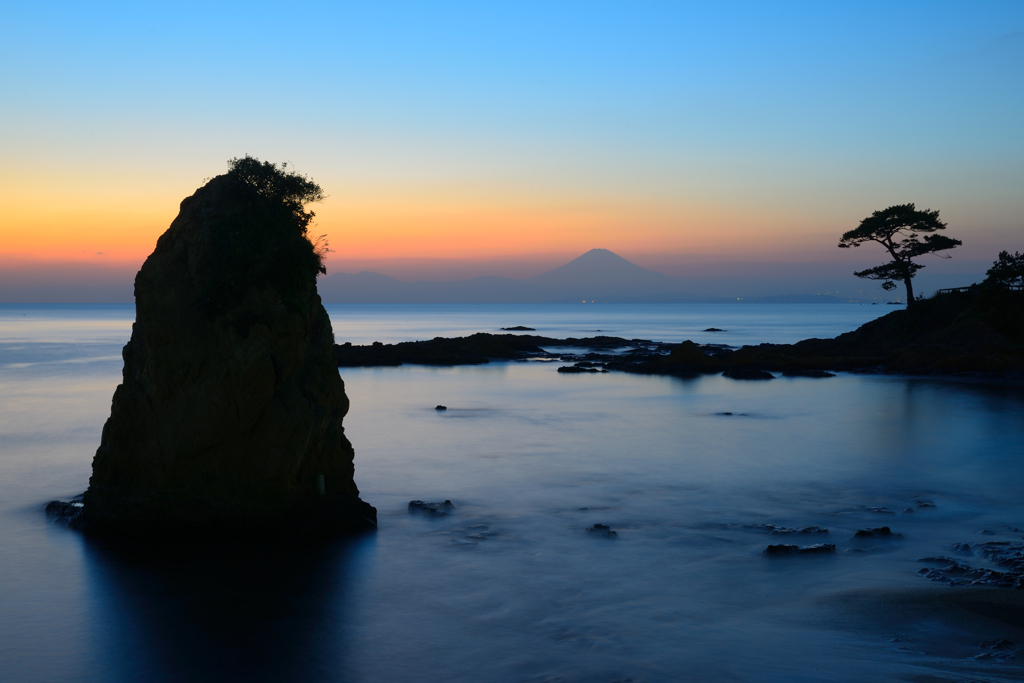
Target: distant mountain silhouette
598,275
603,275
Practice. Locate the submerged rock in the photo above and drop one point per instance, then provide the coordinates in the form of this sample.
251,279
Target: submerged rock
998,648
66,512
433,509
816,549
580,368
479,532
878,532
230,409
1006,555
602,530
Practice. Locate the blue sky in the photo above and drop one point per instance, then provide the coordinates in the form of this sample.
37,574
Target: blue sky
484,130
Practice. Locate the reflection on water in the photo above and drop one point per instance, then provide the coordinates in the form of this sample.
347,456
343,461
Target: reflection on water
258,611
511,586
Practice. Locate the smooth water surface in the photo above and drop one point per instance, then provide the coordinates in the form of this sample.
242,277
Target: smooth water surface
740,323
511,586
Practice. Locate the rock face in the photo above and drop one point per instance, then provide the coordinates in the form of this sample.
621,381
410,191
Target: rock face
230,409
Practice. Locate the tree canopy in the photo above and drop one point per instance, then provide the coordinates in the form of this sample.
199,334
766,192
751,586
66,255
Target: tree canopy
906,233
262,235
279,186
1007,271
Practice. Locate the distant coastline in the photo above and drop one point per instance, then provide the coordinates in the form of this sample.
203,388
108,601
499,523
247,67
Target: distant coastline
979,333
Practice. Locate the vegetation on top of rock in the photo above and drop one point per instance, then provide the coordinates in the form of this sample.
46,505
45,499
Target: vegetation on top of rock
1007,270
906,234
260,235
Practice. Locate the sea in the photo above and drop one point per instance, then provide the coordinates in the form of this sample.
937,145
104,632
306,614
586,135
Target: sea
514,584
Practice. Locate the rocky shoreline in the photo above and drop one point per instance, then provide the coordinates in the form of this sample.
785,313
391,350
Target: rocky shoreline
970,334
476,349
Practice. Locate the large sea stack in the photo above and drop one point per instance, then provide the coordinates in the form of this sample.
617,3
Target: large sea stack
230,411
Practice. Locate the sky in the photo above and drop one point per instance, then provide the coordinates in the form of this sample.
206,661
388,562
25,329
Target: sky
456,139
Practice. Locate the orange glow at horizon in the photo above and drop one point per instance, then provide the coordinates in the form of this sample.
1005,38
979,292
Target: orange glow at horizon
453,229
85,219
110,225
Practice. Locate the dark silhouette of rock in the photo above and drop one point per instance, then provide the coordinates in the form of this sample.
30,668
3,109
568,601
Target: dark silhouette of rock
432,509
602,530
229,414
714,329
476,349
878,532
580,368
978,331
1004,554
816,549
440,407
519,328
693,357
685,360
68,513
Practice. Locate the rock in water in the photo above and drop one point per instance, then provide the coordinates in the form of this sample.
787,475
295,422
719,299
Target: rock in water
229,414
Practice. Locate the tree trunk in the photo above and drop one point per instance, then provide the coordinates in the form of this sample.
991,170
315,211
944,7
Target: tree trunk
910,292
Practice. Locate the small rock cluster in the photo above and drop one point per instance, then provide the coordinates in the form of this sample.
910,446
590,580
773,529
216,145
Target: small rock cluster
431,509
1007,555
